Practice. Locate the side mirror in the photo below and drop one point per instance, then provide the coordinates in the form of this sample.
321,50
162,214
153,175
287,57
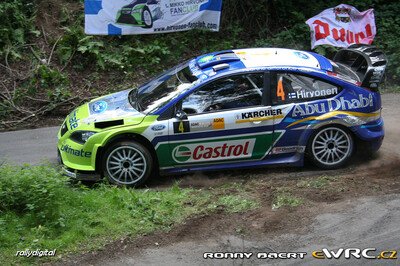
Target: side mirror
181,115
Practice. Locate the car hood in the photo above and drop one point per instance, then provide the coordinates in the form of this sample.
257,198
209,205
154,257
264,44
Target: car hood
113,108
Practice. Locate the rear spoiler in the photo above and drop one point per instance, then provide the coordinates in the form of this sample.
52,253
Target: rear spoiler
365,61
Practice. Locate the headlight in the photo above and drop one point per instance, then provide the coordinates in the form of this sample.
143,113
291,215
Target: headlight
81,136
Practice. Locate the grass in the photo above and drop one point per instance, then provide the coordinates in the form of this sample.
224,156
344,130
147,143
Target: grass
283,197
319,182
40,210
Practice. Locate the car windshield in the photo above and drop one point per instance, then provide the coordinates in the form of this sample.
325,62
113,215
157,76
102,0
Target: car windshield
158,92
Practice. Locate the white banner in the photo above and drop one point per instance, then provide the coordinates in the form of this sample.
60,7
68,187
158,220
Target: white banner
124,17
342,26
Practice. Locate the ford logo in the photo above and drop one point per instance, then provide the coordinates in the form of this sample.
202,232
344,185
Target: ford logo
157,127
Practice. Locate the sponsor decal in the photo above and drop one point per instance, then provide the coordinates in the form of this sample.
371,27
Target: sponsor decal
158,127
311,94
99,107
218,123
206,59
181,127
213,151
332,105
288,149
73,121
80,153
258,115
261,113
301,55
201,125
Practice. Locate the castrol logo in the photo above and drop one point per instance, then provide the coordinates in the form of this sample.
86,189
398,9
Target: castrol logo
213,151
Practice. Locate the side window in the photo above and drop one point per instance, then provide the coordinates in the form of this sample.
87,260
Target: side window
227,93
294,88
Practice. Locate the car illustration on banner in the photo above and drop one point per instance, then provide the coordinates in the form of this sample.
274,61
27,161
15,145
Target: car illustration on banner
231,109
140,13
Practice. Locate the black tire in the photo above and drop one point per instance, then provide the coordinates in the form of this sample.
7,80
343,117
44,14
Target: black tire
146,12
330,147
127,163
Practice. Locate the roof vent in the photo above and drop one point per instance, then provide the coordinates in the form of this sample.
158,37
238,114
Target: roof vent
220,67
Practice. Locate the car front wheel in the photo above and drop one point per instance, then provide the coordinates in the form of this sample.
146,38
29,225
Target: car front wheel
127,164
330,147
147,18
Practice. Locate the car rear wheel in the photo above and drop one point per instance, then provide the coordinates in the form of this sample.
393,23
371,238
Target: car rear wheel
127,164
147,18
331,147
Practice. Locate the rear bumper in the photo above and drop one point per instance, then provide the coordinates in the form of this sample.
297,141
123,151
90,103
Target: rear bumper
371,131
370,147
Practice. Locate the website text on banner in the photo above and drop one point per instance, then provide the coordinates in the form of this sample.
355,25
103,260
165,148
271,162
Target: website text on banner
342,26
126,17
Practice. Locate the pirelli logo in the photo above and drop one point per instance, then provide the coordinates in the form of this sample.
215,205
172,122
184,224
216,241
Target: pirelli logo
260,115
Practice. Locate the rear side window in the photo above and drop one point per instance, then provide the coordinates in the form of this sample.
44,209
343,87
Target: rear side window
294,88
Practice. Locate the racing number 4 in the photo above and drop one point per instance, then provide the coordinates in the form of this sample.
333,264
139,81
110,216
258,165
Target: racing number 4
279,90
181,128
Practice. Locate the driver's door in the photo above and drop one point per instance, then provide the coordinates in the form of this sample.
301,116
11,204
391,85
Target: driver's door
224,121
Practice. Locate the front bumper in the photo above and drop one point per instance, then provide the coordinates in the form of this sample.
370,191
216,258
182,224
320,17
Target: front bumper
77,174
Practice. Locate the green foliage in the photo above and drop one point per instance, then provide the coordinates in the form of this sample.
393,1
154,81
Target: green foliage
52,81
321,182
32,191
40,210
283,197
17,24
234,203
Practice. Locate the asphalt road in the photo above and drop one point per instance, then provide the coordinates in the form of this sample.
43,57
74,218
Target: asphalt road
29,146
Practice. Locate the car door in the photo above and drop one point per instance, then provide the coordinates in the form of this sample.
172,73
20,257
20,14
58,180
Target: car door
224,121
300,99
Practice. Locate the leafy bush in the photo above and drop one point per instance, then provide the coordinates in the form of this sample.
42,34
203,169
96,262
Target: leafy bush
51,81
38,209
33,191
17,24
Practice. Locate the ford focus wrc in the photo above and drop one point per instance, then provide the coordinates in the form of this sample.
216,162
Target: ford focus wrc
231,109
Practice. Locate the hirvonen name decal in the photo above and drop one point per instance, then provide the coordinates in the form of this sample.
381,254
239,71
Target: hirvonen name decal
258,115
213,151
313,94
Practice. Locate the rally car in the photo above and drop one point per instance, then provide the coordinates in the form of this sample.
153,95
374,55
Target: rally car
140,13
231,109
